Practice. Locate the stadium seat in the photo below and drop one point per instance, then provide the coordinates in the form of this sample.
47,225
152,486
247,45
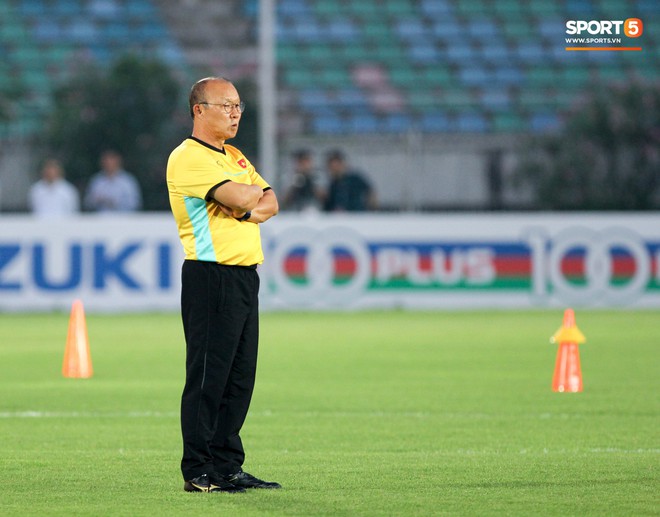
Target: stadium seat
422,100
436,9
424,53
363,122
475,76
483,30
339,30
412,30
544,122
435,122
496,100
496,54
397,123
508,122
328,124
293,8
471,122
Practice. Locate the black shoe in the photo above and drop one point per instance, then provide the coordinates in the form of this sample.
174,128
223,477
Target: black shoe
205,483
244,480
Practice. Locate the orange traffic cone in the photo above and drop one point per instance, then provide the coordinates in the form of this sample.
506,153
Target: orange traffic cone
568,375
77,360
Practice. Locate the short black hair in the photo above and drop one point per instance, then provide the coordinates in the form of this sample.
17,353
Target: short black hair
198,91
335,154
301,154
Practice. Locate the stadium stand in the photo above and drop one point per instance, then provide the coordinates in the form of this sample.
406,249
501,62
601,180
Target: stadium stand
45,41
446,65
386,66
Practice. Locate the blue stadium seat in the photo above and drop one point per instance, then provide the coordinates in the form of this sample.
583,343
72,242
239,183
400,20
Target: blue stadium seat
462,54
105,9
531,52
449,31
65,8
435,122
412,30
472,122
32,8
553,30
293,8
308,30
342,31
311,99
115,32
544,122
82,31
496,100
250,8
46,31
150,31
363,122
328,125
397,123
508,75
484,30
424,53
476,76
436,9
171,54
496,54
580,8
351,98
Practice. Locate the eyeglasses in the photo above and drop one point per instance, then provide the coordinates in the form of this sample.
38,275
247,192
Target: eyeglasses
227,106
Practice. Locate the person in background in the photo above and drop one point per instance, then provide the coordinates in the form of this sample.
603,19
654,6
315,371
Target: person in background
53,196
304,194
112,189
349,190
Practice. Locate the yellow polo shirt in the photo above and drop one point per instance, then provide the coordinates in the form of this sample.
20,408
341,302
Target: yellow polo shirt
206,233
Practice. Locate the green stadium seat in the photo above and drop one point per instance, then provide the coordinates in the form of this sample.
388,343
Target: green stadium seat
509,122
541,75
333,77
536,99
404,77
422,100
574,77
399,8
377,31
319,53
437,76
327,7
517,30
472,8
508,9
300,78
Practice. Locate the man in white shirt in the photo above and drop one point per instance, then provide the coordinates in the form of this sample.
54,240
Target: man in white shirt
53,196
112,189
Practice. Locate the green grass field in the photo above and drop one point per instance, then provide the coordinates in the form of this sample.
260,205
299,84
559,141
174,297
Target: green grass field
378,413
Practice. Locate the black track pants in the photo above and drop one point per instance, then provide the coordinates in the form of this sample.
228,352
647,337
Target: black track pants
220,312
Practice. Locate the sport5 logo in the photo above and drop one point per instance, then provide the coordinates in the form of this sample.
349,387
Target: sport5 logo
632,27
599,255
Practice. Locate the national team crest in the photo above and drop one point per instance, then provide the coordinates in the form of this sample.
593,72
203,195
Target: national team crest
242,163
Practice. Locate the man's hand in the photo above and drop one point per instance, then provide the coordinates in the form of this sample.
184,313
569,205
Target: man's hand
230,212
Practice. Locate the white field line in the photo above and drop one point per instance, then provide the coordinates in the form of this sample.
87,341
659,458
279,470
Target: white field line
88,414
305,414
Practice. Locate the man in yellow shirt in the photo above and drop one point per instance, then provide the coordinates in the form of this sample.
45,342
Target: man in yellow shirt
218,201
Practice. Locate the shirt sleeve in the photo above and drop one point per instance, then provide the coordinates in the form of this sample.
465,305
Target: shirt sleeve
199,175
255,177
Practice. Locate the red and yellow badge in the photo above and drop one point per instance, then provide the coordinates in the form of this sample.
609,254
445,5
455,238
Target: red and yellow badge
242,163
